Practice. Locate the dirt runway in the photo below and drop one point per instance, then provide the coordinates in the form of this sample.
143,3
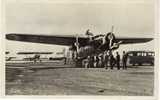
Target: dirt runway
66,80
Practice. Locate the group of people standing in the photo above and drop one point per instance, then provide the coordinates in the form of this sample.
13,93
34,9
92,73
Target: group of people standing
117,60
106,60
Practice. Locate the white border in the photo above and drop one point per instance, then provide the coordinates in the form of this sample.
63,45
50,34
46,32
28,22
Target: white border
2,60
2,48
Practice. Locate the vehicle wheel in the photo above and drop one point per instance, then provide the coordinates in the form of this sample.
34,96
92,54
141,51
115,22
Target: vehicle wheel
133,64
139,64
152,63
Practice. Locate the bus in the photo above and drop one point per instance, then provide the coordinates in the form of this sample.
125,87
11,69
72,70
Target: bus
140,57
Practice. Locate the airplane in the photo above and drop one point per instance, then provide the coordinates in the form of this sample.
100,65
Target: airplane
9,58
83,46
36,56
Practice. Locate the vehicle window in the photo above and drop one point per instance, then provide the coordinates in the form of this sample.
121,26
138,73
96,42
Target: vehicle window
144,54
130,54
134,54
152,54
149,54
139,54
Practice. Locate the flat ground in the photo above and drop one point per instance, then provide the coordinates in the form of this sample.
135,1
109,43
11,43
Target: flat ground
58,79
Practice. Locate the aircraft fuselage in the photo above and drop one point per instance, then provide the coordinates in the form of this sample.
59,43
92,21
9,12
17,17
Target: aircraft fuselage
96,46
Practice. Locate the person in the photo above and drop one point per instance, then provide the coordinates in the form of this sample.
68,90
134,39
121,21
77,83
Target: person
85,63
112,60
106,58
89,61
95,63
124,60
89,34
103,59
92,61
65,60
118,60
100,61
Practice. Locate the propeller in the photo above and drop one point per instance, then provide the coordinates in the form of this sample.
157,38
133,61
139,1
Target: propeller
109,36
77,45
116,45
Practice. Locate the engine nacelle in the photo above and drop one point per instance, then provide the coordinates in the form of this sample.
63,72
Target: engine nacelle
109,42
110,36
115,46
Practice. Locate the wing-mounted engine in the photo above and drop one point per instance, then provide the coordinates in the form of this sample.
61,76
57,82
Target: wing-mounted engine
109,42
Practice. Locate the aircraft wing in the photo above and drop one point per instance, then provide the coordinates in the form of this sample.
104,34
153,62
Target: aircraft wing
65,40
129,40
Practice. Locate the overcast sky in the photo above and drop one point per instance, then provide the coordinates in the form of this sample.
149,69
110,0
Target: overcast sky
129,17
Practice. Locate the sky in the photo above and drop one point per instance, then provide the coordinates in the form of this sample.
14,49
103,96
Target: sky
129,17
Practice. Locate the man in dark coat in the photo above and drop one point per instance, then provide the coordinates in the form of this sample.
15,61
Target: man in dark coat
106,59
124,60
118,60
112,60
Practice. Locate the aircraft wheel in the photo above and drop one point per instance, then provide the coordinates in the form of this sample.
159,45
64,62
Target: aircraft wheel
152,63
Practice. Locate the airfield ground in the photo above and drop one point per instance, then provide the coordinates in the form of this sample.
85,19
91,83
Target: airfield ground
59,79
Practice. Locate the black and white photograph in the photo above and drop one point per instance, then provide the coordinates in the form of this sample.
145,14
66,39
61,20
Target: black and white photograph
84,48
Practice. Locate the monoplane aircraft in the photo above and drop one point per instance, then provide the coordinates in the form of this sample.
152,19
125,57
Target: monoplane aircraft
36,56
84,46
